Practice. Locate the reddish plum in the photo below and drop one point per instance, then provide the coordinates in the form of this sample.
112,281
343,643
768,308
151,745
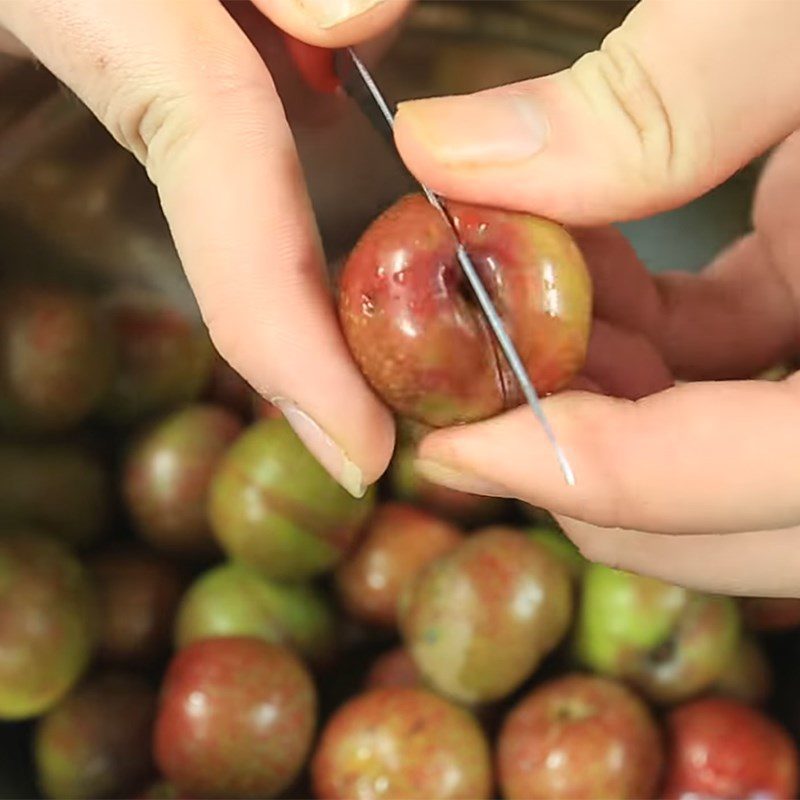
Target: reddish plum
167,474
419,336
236,719
398,542
401,744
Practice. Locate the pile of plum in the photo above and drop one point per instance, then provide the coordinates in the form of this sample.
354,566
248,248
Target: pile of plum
190,607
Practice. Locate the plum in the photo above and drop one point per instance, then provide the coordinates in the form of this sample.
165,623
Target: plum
275,508
234,600
479,620
138,594
398,542
236,719
55,358
96,742
48,623
419,336
167,475
402,744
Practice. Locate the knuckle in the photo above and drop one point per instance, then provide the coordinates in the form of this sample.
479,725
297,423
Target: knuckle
655,147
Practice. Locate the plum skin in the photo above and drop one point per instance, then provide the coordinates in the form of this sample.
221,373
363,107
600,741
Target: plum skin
419,337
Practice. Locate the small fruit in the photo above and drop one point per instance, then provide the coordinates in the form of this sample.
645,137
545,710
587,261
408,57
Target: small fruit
61,488
234,600
167,474
479,620
96,741
236,719
398,542
579,736
273,507
47,623
669,642
55,359
138,596
419,336
394,669
719,748
163,359
401,744
562,548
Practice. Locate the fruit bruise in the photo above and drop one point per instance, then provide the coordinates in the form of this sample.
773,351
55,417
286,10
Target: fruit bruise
418,335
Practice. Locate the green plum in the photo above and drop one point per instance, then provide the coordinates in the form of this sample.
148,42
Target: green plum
62,488
669,642
234,600
48,623
561,547
275,508
479,620
167,474
55,358
96,741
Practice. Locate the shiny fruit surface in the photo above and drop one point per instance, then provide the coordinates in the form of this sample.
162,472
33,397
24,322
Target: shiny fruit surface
273,507
167,475
480,619
401,744
398,542
236,719
580,736
421,339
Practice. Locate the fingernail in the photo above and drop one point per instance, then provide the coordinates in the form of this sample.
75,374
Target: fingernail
460,481
478,129
323,448
328,13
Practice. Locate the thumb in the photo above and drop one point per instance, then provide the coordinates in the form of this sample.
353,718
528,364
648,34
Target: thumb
676,99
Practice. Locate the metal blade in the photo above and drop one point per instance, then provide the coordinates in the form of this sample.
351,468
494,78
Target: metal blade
469,269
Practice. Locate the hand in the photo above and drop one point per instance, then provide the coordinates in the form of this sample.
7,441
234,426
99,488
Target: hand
694,483
180,84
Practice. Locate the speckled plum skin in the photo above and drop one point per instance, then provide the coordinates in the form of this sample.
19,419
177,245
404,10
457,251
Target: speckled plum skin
579,736
417,333
235,600
717,747
163,359
401,744
96,741
479,620
62,488
167,475
55,358
273,507
48,620
236,719
669,642
138,594
398,542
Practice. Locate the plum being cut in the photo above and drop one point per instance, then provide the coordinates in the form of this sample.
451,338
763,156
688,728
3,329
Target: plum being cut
419,336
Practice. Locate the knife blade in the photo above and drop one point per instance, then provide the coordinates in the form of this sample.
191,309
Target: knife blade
373,104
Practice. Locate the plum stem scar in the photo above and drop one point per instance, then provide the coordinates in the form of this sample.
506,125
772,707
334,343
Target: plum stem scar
485,301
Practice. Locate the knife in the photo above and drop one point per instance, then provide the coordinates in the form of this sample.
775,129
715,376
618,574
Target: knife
368,97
